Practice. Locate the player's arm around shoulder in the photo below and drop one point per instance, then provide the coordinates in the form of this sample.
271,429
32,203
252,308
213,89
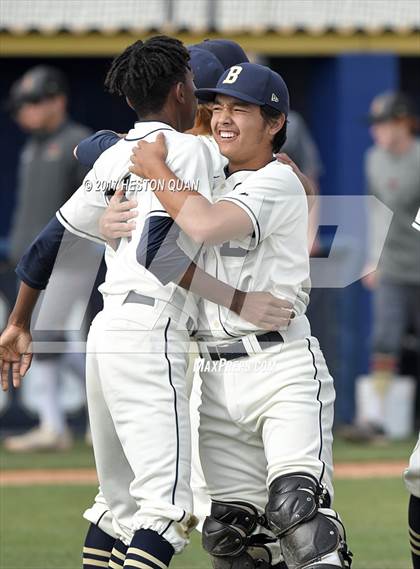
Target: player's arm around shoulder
192,211
190,160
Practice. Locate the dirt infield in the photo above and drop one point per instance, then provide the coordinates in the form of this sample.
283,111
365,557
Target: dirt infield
44,477
354,470
83,476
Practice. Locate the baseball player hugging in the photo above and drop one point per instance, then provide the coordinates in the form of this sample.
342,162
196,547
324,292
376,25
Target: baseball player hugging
137,349
267,403
138,345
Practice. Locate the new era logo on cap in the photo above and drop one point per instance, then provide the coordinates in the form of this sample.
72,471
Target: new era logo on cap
251,83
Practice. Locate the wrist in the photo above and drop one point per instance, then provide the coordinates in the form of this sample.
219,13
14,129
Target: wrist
19,321
237,301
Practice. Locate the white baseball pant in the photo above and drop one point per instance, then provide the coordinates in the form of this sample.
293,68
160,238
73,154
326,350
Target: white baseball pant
138,409
271,416
412,474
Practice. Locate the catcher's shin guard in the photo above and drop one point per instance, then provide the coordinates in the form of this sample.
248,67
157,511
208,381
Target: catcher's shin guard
309,532
227,537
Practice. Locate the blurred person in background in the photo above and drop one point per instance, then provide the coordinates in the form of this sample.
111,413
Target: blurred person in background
48,175
392,168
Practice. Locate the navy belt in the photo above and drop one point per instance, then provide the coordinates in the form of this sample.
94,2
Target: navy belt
238,350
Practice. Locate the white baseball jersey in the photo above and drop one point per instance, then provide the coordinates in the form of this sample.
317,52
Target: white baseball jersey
274,258
190,160
219,162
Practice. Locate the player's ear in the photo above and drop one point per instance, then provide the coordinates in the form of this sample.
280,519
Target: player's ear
129,103
180,92
276,125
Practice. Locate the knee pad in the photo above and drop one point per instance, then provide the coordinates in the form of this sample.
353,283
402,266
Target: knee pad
297,513
227,537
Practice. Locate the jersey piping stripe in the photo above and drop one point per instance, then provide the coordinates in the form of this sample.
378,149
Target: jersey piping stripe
175,410
254,217
229,174
75,230
157,213
100,517
176,420
320,411
167,527
151,132
145,121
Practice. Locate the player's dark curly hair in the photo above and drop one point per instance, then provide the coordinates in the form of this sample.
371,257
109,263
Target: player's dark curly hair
269,114
146,71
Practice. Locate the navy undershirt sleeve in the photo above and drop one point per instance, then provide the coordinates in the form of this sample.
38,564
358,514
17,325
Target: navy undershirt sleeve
159,252
90,148
37,263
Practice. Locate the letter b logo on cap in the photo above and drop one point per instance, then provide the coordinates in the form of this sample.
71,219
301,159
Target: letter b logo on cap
233,74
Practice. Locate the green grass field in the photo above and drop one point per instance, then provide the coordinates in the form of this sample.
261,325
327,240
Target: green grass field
81,455
41,526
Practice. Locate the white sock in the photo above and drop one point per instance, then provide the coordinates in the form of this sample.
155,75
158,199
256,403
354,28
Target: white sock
51,415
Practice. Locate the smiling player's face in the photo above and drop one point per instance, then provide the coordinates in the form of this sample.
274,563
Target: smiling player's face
240,130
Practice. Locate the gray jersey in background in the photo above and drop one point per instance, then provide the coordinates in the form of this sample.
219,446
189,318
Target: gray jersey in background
395,181
48,175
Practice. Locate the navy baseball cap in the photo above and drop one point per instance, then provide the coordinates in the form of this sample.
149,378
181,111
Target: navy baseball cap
206,67
228,52
251,83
